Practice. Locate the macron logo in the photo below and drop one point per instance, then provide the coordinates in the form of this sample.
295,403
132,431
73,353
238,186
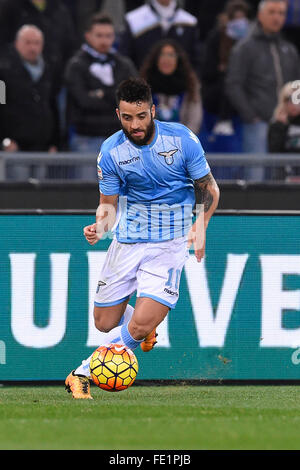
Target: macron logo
131,160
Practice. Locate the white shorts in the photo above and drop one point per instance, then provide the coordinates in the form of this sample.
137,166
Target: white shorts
150,269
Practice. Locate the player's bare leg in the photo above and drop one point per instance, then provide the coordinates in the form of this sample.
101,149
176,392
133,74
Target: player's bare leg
148,314
106,319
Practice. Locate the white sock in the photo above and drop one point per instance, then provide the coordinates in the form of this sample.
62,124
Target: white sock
113,336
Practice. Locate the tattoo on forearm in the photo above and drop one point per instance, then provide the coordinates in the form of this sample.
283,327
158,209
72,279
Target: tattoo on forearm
205,185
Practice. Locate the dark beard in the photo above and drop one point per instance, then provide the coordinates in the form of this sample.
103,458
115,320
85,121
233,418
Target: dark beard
149,133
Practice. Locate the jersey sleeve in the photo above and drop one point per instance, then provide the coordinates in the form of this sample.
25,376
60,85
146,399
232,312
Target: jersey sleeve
196,163
109,180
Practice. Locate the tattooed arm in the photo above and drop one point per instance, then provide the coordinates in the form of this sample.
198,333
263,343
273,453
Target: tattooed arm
209,195
209,198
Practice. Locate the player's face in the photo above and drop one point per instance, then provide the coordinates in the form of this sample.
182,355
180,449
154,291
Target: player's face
137,121
101,37
272,16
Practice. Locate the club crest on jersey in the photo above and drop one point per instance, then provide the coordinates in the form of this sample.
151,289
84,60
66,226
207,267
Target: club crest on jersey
168,156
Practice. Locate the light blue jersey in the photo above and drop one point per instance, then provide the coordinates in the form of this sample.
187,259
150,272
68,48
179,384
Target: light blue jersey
155,182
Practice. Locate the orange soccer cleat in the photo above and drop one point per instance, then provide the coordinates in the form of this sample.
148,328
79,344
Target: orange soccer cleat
149,342
79,386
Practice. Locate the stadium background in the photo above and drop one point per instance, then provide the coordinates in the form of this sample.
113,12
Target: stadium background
239,312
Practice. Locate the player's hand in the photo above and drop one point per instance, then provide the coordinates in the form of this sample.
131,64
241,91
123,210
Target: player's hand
90,234
196,237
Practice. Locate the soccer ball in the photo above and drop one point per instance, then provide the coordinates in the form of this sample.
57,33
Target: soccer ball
113,367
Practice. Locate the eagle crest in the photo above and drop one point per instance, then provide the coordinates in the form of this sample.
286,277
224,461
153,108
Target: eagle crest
168,156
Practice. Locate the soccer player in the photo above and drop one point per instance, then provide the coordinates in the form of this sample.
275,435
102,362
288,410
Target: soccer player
147,173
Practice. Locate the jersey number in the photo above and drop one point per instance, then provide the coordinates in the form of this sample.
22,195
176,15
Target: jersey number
171,278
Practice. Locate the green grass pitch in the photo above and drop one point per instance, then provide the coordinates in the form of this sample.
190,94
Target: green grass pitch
151,417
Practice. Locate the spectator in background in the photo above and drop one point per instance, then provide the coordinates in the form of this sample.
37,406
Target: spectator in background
157,20
82,10
232,25
206,12
28,120
284,128
259,66
291,28
212,9
92,77
52,17
175,86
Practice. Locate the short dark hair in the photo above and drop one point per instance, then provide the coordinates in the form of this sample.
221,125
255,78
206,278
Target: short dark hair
134,89
98,18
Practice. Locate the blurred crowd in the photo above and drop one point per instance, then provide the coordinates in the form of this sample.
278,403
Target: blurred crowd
228,69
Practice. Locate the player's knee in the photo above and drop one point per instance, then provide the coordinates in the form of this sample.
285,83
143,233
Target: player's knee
138,331
102,327
102,324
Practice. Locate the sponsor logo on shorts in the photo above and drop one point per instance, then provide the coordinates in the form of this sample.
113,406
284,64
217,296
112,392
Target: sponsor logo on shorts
100,283
171,292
